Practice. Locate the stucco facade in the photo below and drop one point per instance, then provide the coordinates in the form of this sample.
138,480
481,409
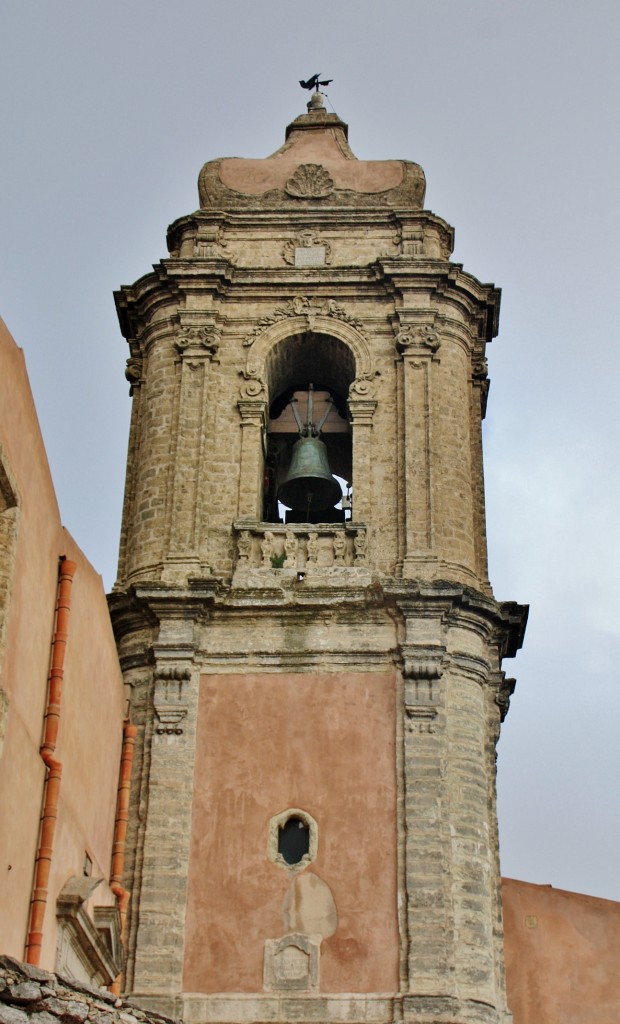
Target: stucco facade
62,709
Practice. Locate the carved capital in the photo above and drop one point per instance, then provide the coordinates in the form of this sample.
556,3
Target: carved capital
362,411
209,242
415,340
252,410
196,344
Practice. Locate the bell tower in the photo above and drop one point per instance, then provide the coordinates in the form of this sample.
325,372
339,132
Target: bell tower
309,638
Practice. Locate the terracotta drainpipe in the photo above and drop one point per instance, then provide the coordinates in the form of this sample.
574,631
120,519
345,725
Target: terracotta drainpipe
120,834
66,572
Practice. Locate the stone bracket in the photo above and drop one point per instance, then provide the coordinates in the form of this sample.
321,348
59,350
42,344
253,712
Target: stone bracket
169,698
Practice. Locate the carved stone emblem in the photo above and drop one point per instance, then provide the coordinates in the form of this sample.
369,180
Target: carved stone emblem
306,240
310,181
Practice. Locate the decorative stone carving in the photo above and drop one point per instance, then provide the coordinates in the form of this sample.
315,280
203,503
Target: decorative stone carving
300,305
310,181
168,703
133,372
412,241
196,343
244,547
360,546
363,386
253,386
269,546
340,547
420,719
421,671
312,549
268,549
290,550
306,240
209,242
421,668
504,693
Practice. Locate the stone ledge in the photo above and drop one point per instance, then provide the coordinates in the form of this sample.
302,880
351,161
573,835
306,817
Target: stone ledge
259,1009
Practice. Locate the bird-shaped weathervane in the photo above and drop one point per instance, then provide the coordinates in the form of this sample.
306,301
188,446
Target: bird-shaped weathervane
315,82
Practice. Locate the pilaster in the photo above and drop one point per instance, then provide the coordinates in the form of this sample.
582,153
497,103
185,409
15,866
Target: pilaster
171,737
418,343
452,695
197,344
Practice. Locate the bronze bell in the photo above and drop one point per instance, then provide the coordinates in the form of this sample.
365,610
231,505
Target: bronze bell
309,484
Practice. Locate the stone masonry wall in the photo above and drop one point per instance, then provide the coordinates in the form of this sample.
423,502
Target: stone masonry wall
29,995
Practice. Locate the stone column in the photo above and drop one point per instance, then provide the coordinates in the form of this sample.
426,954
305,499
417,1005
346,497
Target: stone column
418,343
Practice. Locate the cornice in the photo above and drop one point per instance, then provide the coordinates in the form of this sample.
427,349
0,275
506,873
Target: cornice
448,281
501,622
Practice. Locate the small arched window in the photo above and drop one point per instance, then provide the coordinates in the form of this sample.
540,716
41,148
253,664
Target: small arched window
293,839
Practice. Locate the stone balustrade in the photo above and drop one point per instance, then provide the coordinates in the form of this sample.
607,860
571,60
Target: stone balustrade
300,547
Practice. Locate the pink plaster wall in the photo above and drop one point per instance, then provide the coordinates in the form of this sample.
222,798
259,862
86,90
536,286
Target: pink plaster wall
562,955
324,743
90,735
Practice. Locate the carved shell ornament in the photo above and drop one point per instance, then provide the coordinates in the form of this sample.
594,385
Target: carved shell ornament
310,181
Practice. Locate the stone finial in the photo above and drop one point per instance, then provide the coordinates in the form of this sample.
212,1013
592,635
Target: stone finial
315,102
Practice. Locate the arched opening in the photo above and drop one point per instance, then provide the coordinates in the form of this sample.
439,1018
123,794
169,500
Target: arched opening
293,840
308,377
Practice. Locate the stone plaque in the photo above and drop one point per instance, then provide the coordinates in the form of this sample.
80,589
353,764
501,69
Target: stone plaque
310,256
291,964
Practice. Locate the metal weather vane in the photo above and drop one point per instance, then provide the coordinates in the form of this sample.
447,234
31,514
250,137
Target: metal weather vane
314,82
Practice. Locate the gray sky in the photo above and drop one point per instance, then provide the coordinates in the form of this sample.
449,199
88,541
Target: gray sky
107,112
